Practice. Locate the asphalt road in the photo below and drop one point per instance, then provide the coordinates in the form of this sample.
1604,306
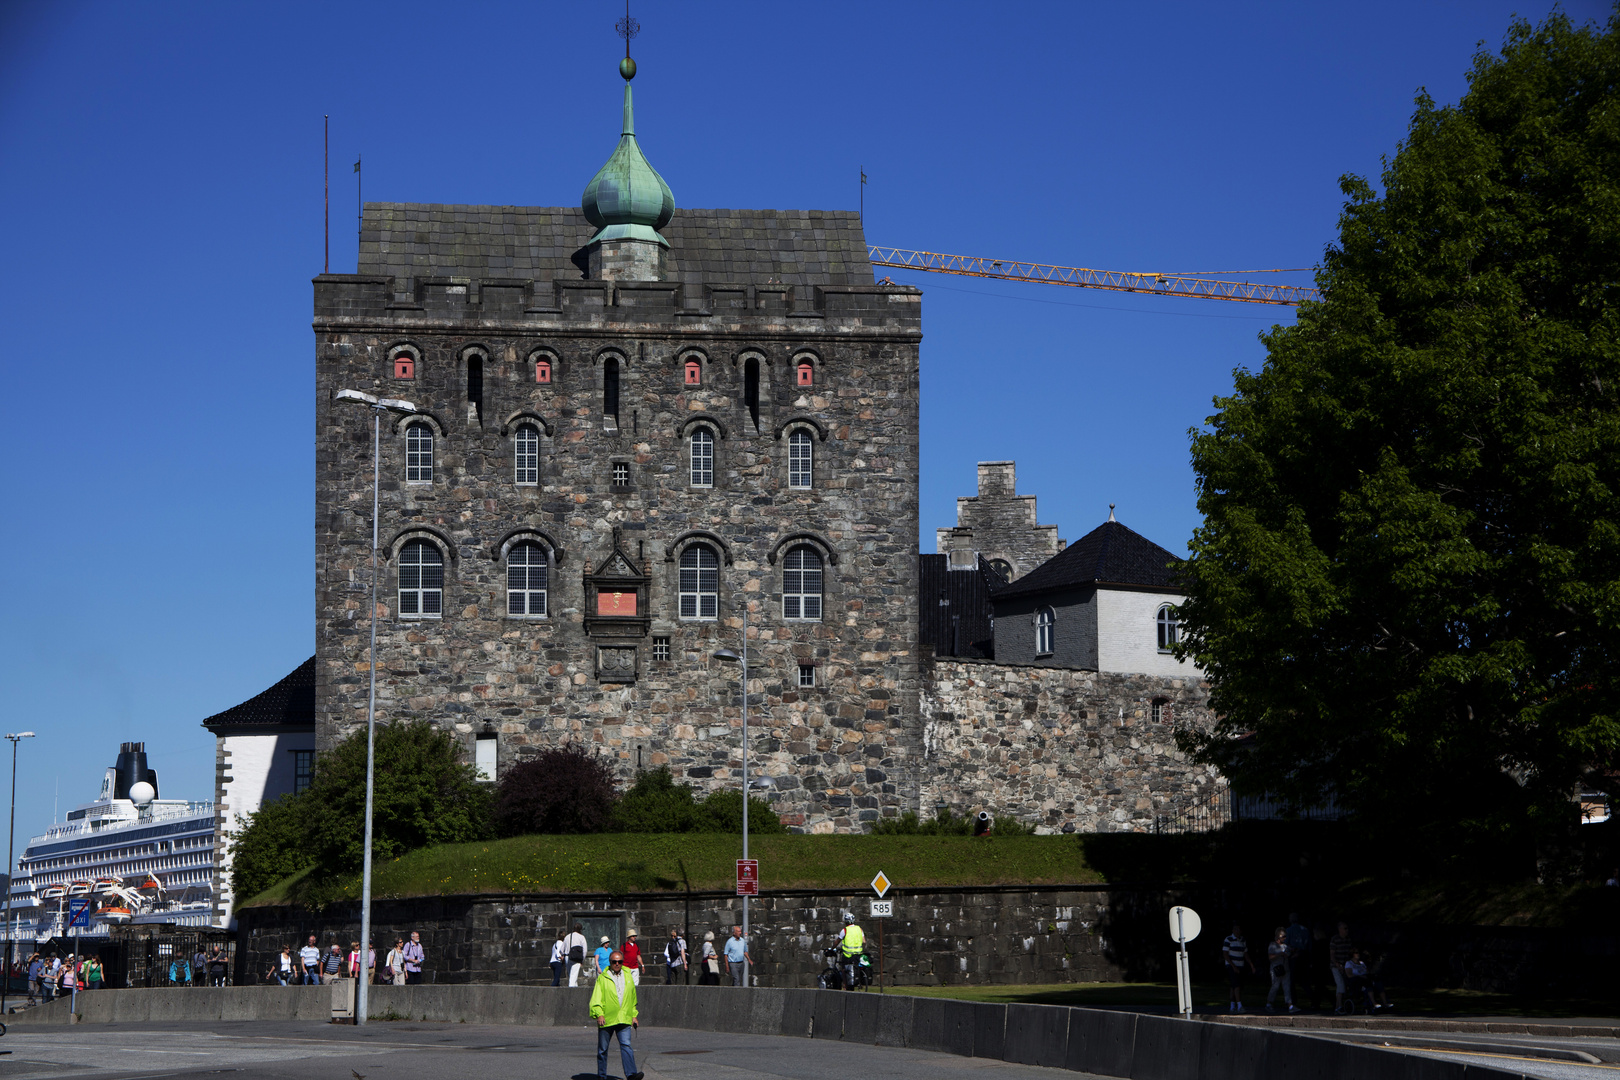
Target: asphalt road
1551,1057
305,1051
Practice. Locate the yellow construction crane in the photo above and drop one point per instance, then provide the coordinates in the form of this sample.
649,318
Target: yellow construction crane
1203,288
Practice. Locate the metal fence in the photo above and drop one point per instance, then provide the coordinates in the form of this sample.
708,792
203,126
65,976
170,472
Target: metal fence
149,956
1203,814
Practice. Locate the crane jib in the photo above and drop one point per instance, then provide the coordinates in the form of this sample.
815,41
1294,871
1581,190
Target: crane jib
1081,277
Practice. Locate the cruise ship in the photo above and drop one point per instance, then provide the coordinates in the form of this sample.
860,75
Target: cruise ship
138,857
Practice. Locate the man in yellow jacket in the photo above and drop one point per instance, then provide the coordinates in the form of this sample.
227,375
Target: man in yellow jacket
613,1006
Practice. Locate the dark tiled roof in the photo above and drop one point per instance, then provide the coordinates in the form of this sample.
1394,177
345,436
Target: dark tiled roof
546,243
968,593
289,703
1110,554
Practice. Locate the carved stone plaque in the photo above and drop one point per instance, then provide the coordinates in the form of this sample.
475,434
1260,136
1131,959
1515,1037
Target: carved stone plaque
616,663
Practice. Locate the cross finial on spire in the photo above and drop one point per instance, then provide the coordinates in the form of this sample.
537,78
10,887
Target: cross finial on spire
627,28
1110,511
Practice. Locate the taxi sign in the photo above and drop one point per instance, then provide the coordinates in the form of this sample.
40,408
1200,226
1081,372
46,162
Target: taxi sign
79,912
880,884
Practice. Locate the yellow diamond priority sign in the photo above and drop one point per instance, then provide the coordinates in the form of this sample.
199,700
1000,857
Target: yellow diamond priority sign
880,884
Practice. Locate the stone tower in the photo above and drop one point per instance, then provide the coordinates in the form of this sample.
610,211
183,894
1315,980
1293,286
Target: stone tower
635,422
999,524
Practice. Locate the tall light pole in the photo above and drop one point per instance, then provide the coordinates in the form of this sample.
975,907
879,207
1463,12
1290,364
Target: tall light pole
728,655
11,843
378,406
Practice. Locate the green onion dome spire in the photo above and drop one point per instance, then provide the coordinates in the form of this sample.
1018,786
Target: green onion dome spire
627,199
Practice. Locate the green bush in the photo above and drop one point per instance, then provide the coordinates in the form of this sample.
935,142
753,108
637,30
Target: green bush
560,791
269,845
909,824
657,804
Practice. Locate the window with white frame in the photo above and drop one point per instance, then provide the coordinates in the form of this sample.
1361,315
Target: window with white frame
702,455
419,454
527,576
799,459
421,581
807,675
526,455
700,583
801,584
484,751
1044,619
1169,628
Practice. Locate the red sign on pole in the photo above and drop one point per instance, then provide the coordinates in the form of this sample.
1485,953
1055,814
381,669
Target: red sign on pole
747,877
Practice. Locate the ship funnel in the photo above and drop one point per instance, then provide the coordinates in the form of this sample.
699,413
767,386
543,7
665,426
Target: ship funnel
131,770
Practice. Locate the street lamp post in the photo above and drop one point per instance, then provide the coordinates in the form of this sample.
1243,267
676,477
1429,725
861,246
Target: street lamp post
11,844
727,654
378,406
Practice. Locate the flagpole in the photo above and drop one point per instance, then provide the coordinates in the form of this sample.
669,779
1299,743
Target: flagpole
360,210
326,190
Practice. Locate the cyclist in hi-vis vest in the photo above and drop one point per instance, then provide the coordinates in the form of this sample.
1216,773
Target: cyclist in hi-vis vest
850,944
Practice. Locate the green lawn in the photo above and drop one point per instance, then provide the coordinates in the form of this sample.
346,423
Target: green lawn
637,862
1161,997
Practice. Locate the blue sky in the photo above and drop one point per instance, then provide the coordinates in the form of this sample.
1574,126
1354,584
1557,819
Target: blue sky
162,195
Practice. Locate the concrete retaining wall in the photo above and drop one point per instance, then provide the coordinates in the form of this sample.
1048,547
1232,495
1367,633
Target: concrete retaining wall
1096,1041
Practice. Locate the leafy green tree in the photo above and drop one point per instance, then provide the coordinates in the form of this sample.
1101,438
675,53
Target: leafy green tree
723,813
271,844
1407,583
425,794
563,790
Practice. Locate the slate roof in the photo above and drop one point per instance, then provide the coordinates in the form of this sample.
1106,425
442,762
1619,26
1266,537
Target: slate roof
547,243
289,703
1110,554
968,593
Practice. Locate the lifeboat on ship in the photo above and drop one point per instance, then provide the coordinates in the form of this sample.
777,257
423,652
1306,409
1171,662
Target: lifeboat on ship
117,914
79,888
53,892
107,884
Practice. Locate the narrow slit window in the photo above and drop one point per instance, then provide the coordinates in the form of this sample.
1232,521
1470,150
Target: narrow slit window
700,583
799,460
421,581
801,584
751,389
475,387
528,573
610,389
702,450
526,455
419,454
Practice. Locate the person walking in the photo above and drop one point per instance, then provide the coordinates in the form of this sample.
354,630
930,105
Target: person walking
70,977
600,957
851,943
632,956
613,1007
309,963
1339,948
394,963
199,967
1278,961
559,958
574,951
710,975
218,965
674,957
52,976
1235,952
35,967
94,977
737,959
332,964
413,959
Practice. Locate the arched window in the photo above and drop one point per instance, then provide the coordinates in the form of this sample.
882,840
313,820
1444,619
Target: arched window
526,455
702,458
610,389
1044,619
801,584
799,458
694,373
1169,628
1002,567
421,580
527,575
542,371
751,389
807,373
700,583
419,454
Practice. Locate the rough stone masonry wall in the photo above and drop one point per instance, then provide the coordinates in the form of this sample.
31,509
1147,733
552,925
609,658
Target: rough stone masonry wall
967,936
842,752
998,523
1070,751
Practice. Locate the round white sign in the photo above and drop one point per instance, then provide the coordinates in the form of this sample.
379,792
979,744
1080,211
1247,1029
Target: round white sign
1184,925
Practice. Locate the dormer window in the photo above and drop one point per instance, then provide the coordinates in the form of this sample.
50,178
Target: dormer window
807,373
693,373
542,371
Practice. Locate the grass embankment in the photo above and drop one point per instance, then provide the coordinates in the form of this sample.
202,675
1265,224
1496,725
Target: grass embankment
619,863
1161,998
